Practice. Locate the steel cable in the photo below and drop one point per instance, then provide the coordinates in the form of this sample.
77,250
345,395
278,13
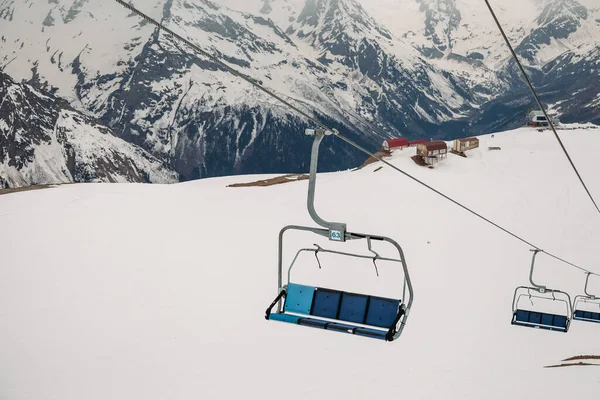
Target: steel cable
337,134
539,102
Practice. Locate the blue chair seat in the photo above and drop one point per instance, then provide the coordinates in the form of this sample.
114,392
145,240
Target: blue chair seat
540,320
339,311
293,319
589,316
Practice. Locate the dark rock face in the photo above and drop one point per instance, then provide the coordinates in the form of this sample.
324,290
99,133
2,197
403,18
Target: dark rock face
442,17
577,75
43,140
266,7
23,127
202,121
558,20
396,83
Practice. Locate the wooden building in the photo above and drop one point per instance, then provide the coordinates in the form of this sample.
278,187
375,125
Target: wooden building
462,145
415,143
432,152
397,143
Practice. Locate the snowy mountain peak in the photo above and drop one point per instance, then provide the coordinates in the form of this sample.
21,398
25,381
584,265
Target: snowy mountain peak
561,11
64,12
442,19
266,8
372,69
557,23
343,32
43,140
329,22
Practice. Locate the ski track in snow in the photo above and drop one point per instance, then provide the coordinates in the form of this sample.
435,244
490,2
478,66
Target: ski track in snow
127,291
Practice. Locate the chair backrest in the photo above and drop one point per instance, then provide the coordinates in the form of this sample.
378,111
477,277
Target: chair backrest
338,305
594,316
539,318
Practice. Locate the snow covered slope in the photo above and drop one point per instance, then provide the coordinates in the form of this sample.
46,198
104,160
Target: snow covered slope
558,40
43,140
173,306
541,30
372,69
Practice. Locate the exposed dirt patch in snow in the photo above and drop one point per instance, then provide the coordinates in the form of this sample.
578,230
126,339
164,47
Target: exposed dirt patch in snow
458,153
577,358
371,160
273,181
583,362
579,364
25,189
419,160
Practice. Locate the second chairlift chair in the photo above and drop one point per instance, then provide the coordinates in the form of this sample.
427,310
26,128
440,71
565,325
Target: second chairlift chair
586,315
333,309
539,319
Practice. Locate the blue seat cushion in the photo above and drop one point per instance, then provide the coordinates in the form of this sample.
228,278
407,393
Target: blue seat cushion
547,319
559,321
299,299
312,304
353,307
293,319
326,303
382,312
522,316
591,315
587,315
373,333
537,318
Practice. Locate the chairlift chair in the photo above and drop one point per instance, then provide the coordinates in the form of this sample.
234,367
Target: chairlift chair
586,315
539,319
332,309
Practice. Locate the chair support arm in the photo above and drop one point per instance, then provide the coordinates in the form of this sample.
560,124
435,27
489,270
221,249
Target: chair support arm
279,296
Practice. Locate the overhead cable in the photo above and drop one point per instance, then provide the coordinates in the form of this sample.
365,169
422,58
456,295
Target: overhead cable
539,102
337,134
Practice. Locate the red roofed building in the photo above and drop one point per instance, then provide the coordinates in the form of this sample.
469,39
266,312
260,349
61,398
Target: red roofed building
397,143
433,152
461,145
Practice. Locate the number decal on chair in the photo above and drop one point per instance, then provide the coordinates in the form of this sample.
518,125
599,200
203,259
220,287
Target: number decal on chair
336,235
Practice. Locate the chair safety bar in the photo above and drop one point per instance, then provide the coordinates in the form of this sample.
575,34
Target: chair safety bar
553,292
538,319
319,249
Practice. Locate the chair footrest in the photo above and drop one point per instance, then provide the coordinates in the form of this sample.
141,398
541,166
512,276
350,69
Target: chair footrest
587,320
332,326
292,319
540,326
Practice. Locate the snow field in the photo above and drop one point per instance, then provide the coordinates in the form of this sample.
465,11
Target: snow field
152,291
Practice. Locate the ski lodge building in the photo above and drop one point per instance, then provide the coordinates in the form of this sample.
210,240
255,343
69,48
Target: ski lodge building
537,118
462,145
432,152
397,143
